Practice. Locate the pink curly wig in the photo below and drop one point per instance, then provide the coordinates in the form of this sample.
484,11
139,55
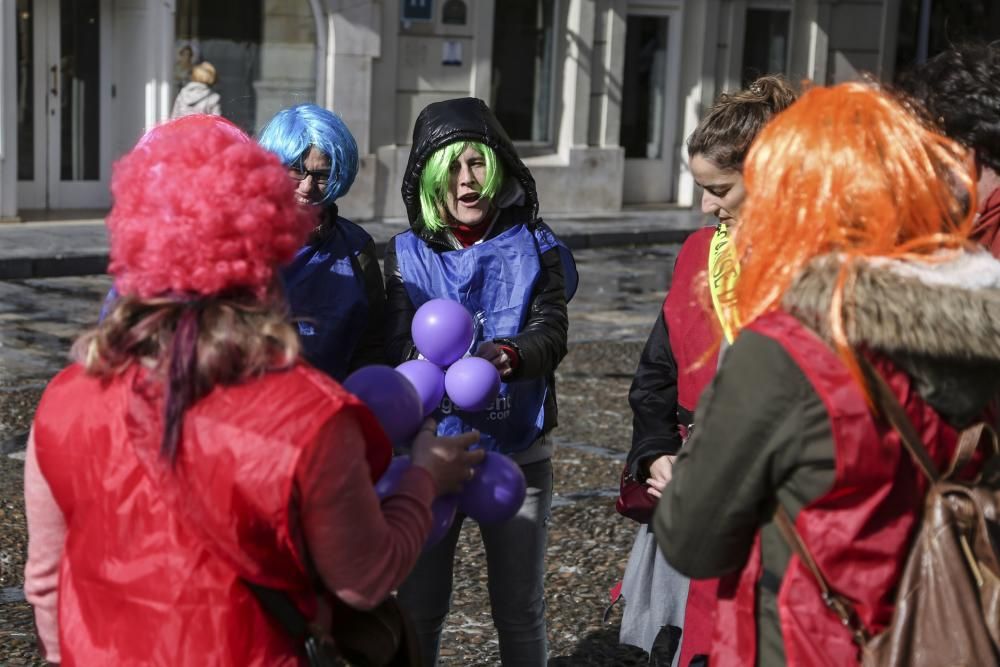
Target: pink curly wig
200,209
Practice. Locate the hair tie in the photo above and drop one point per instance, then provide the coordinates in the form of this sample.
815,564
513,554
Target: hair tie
756,88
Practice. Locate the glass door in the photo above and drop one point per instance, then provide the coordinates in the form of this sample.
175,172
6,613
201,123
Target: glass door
63,97
649,106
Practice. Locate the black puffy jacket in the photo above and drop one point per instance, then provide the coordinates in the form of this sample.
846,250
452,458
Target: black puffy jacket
541,343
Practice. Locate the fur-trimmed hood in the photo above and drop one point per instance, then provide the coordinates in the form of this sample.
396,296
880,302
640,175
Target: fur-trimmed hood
939,320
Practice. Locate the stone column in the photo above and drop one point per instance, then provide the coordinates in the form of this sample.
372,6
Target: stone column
8,111
354,37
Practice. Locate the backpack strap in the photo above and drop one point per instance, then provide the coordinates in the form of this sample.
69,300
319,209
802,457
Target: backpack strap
889,409
968,443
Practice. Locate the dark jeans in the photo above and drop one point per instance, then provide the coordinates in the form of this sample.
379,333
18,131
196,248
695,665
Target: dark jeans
515,562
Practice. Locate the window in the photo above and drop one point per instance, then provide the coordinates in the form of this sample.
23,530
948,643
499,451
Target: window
226,33
765,43
523,67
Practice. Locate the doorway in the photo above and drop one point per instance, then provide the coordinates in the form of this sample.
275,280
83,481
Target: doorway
648,112
63,94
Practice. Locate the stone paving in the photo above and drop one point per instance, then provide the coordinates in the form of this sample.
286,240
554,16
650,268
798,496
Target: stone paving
621,290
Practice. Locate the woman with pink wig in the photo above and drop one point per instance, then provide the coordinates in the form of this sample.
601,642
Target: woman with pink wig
187,458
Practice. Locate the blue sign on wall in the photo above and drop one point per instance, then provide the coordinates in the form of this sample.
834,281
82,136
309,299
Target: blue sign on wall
418,10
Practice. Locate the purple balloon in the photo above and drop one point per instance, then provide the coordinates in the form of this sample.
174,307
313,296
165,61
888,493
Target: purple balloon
392,399
442,515
472,383
442,331
496,492
387,483
427,379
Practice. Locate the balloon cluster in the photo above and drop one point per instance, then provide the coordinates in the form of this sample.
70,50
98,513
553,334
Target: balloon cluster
401,398
443,332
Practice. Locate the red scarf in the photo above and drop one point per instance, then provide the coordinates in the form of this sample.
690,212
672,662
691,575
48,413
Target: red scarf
986,229
469,234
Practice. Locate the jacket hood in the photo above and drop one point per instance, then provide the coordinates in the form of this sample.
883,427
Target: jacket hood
464,119
939,320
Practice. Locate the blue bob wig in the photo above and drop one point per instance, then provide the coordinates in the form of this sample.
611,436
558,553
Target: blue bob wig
293,130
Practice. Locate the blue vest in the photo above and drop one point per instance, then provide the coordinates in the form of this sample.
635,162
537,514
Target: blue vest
326,293
494,281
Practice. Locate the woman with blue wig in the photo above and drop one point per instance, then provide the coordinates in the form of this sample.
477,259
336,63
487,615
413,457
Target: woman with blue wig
333,285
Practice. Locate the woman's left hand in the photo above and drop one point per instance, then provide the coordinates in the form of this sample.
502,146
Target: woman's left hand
661,470
492,353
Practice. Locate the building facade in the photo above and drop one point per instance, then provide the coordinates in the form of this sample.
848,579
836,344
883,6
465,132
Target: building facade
599,95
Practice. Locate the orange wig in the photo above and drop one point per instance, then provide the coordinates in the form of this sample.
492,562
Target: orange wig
846,170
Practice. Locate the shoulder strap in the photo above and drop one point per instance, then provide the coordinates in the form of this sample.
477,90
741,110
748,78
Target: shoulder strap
836,603
280,606
320,648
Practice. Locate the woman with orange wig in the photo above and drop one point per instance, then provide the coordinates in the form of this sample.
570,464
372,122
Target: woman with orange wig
854,255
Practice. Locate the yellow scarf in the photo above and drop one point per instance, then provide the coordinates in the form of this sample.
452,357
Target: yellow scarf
723,272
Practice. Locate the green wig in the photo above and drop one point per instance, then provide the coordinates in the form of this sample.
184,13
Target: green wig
435,177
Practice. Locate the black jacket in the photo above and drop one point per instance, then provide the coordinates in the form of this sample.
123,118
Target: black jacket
653,399
541,343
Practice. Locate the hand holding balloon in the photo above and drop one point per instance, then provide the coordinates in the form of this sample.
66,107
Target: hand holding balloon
442,509
494,354
447,458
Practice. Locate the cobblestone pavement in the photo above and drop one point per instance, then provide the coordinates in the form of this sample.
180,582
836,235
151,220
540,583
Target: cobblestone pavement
620,292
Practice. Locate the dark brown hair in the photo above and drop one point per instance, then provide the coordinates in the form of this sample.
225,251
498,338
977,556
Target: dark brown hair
725,133
960,92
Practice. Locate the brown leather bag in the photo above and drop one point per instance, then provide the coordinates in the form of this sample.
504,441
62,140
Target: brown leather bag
948,602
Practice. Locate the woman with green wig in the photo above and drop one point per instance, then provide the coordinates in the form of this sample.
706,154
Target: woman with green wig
475,237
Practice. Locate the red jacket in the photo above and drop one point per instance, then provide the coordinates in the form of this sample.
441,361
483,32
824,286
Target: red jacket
874,504
694,339
154,558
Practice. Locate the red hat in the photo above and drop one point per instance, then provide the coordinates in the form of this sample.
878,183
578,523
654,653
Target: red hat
200,208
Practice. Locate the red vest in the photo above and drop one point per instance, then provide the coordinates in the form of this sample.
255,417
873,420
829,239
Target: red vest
691,323
874,505
694,340
153,560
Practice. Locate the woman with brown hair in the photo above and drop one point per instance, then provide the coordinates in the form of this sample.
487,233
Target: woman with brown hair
677,362
854,254
187,457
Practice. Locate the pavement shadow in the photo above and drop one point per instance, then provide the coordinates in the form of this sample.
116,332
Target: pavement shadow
601,647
